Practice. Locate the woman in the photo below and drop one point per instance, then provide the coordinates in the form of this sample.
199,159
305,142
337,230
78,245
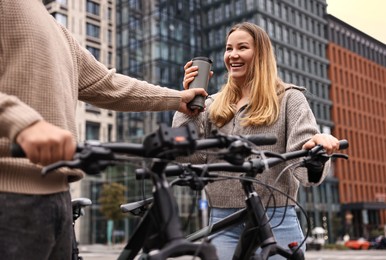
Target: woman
255,101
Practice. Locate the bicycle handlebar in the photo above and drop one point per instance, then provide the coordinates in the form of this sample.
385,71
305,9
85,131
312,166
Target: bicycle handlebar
165,143
256,165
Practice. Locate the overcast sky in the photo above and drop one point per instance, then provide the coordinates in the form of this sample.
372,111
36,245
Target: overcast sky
368,16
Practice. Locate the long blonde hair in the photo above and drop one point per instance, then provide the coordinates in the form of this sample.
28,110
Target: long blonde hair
263,107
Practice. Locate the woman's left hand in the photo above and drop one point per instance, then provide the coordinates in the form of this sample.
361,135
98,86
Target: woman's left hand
329,143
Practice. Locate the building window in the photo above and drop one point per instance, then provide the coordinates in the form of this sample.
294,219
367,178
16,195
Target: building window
92,30
269,6
110,37
110,58
61,18
92,109
270,28
92,8
92,130
239,7
227,11
62,2
94,51
109,14
109,133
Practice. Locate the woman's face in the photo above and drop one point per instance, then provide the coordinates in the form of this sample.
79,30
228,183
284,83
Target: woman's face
238,56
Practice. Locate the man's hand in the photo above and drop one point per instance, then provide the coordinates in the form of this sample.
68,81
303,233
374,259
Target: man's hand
44,143
329,143
187,96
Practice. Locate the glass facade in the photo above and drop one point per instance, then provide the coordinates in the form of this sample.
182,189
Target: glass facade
154,41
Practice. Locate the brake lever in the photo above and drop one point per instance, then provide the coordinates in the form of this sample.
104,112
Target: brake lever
83,160
318,149
339,155
70,164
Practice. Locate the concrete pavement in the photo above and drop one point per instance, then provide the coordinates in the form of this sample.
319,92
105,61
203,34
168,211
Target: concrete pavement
106,252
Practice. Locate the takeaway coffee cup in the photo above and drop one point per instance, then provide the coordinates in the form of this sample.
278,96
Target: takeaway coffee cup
200,81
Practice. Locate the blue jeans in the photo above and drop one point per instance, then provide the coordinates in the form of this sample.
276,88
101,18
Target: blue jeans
288,231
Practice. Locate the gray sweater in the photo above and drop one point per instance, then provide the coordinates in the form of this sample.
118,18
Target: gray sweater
296,125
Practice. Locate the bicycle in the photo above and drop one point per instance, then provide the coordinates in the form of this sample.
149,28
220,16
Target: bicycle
254,215
159,234
78,205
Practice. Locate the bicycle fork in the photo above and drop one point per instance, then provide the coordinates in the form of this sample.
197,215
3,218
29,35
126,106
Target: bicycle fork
258,233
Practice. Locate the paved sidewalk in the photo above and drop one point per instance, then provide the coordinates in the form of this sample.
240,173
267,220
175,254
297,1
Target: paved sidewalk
110,252
101,248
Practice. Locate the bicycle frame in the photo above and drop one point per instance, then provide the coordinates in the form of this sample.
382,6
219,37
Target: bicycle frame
253,215
168,238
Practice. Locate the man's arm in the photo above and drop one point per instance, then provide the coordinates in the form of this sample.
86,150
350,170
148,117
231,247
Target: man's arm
41,141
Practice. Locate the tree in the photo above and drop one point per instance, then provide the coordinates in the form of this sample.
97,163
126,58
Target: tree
112,195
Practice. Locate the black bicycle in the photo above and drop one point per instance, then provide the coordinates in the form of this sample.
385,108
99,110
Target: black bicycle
258,231
159,235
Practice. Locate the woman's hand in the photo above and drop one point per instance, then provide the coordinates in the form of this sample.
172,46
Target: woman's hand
190,73
329,143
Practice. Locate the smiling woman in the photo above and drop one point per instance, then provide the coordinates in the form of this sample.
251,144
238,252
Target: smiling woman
256,101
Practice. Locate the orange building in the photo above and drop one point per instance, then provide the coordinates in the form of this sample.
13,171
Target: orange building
357,72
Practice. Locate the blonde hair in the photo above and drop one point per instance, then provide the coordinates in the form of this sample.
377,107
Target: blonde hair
263,107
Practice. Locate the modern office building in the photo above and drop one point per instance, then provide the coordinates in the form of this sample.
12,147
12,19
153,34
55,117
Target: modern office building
358,91
93,25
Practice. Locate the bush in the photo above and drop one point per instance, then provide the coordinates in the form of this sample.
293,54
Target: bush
335,247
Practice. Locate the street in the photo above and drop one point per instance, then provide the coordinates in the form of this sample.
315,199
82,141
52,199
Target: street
99,252
346,254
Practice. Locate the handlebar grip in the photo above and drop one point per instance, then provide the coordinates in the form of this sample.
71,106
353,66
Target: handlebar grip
343,144
17,151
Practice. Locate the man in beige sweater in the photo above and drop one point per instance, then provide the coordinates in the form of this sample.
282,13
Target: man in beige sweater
43,73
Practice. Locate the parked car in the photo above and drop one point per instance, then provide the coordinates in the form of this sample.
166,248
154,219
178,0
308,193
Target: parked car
359,243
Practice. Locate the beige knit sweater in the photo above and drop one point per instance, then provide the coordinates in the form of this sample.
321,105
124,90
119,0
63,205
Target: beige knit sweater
43,72
296,125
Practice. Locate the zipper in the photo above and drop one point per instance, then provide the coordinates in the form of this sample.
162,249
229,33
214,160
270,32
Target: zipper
237,116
